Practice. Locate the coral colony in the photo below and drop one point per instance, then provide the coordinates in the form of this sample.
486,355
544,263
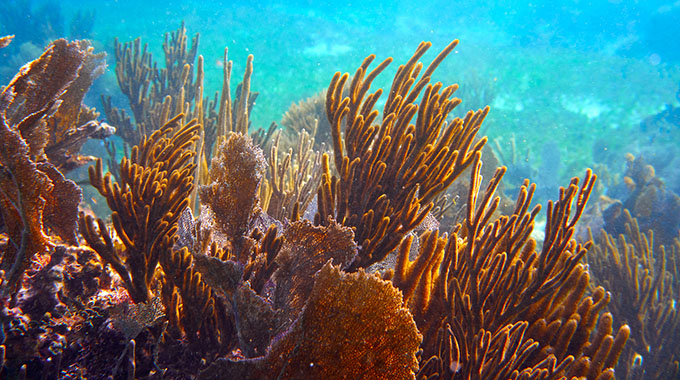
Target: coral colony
323,250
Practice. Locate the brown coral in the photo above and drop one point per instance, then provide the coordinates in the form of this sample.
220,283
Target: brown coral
153,191
305,250
23,204
644,283
152,92
500,297
190,304
232,194
353,326
389,173
49,110
32,188
377,336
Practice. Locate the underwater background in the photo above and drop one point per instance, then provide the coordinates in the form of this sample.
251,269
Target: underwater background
571,85
574,79
594,69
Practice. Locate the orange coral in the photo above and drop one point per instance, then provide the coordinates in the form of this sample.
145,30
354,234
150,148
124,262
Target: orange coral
47,108
23,204
153,191
235,176
488,304
34,194
353,326
190,303
389,173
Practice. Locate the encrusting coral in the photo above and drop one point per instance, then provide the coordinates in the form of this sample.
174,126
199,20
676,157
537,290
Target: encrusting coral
250,288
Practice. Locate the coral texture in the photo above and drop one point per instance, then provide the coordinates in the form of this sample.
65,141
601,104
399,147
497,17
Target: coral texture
214,266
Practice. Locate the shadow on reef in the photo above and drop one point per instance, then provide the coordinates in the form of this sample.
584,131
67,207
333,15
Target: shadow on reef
302,264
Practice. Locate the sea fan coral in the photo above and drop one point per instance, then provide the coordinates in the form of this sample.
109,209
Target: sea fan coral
234,289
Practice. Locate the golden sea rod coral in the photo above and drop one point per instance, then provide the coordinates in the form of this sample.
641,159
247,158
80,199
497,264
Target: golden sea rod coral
388,173
646,277
155,183
236,288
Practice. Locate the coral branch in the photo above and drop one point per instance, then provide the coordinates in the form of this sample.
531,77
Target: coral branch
389,173
155,183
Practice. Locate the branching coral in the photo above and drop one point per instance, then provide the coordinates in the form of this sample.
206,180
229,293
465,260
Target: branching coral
155,183
644,282
508,306
153,92
389,173
190,305
291,180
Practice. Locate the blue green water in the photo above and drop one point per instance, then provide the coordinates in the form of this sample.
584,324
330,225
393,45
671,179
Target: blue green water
565,73
571,83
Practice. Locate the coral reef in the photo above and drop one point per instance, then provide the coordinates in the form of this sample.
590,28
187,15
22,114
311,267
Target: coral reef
389,173
643,277
647,198
269,273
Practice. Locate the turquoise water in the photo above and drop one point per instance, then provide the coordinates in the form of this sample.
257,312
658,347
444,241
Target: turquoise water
571,84
570,73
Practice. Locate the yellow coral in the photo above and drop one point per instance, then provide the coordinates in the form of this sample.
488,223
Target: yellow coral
353,327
